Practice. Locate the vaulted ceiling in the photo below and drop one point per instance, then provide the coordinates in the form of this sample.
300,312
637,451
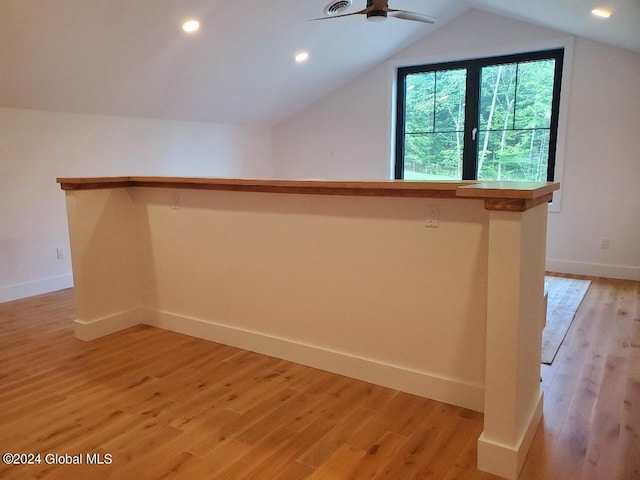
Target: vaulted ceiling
131,58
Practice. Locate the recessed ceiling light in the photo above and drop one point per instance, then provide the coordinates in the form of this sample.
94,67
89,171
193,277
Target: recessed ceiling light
601,12
302,56
191,26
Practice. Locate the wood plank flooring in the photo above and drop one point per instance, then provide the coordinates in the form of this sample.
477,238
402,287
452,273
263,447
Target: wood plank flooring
165,405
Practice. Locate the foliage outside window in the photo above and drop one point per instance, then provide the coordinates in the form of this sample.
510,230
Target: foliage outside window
486,119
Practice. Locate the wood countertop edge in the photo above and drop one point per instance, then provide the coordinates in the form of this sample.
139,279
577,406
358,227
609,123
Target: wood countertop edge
504,196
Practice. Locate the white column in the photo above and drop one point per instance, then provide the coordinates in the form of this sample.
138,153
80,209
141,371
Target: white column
515,318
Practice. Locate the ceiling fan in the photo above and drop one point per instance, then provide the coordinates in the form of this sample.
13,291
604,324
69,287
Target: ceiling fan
378,10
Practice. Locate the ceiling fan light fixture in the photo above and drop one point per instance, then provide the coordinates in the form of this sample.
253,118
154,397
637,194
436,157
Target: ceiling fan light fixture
377,16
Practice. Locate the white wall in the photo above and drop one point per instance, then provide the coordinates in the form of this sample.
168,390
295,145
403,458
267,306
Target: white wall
301,277
345,135
36,147
348,135
601,180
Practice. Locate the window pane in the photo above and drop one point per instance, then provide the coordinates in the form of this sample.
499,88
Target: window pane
433,156
434,125
516,155
497,96
420,90
515,120
450,93
535,94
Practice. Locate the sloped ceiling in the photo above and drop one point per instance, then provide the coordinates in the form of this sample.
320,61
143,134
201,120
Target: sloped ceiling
130,58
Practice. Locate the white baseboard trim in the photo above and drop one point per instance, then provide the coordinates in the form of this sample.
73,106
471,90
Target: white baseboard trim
593,269
90,330
507,460
370,370
343,363
36,287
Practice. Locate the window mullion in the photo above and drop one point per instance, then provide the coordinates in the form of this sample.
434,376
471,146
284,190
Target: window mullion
515,95
555,113
400,124
472,100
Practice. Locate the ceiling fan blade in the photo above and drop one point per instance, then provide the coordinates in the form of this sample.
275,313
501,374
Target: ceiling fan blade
361,12
416,17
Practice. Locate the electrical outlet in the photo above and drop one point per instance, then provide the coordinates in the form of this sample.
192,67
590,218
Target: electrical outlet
175,201
433,216
60,253
604,243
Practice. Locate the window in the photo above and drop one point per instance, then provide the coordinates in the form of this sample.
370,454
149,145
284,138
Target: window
487,119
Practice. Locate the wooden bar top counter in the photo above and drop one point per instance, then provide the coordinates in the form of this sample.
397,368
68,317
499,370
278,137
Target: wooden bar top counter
504,196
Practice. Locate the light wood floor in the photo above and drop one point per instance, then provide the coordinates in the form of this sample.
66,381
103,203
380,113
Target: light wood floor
166,405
